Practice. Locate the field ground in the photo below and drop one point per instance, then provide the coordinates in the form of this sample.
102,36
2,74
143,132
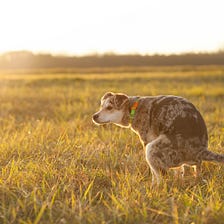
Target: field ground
58,167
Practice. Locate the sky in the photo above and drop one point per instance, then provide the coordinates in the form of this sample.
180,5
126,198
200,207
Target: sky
78,27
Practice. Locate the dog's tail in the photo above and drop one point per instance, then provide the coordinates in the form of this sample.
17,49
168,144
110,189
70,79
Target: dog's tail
212,156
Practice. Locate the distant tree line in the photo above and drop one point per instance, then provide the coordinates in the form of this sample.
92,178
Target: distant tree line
28,60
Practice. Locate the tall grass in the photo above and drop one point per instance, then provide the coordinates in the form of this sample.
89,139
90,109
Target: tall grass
57,167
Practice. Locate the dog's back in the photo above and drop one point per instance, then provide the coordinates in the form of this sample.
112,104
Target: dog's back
179,119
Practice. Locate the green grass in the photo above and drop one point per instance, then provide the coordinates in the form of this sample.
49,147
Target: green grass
58,167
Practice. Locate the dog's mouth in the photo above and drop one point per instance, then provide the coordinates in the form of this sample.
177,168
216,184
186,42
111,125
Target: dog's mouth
101,123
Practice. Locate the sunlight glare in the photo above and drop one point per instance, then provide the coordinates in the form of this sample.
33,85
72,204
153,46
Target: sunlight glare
81,27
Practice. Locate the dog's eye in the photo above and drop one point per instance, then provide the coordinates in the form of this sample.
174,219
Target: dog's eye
109,108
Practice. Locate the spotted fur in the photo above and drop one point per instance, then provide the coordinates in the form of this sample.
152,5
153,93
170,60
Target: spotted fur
170,128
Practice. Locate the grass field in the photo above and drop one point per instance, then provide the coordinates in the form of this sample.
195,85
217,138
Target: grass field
58,167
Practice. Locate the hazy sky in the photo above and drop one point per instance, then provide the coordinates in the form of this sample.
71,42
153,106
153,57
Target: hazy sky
122,26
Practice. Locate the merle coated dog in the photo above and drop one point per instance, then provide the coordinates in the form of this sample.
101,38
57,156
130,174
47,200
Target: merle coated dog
170,128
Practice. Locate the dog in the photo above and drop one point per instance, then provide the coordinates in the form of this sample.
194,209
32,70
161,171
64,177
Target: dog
170,128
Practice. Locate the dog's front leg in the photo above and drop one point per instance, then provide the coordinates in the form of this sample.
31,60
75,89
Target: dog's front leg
154,158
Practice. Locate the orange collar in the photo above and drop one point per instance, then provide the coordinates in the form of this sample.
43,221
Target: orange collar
133,110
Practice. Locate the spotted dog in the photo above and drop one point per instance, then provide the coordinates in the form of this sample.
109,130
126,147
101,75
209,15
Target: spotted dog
170,128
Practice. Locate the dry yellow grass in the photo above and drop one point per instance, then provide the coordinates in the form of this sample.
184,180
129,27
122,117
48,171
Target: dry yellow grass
57,167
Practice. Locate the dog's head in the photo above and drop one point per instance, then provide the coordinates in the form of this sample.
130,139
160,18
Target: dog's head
113,109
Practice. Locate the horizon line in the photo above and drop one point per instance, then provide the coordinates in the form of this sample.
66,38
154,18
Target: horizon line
105,53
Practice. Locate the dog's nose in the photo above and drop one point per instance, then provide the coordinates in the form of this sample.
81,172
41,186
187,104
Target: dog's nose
95,116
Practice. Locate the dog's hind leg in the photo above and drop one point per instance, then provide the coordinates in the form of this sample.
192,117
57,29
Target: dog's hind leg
197,169
179,172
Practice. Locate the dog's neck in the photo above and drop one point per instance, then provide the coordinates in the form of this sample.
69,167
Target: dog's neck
132,100
133,104
127,120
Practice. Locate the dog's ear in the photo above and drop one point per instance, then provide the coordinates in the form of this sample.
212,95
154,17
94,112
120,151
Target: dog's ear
120,100
106,95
